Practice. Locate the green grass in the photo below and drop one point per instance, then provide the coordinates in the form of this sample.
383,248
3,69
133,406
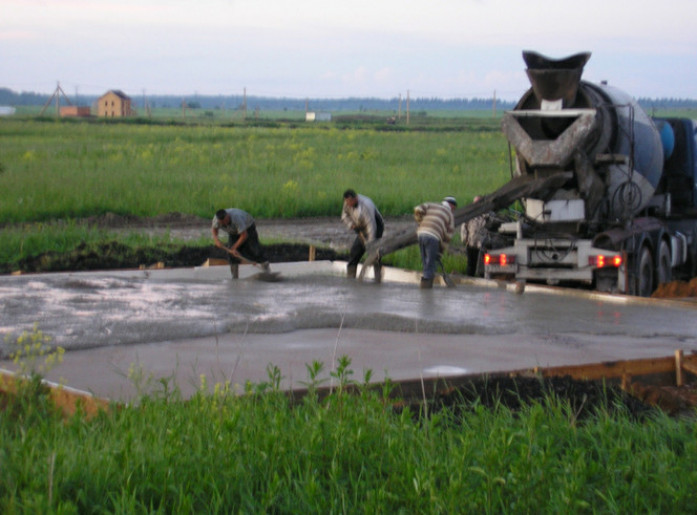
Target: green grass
53,172
345,453
69,170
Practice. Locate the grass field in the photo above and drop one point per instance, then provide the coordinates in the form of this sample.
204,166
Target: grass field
70,170
67,170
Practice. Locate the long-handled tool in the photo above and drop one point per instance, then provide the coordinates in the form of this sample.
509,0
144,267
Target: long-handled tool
377,266
265,274
446,278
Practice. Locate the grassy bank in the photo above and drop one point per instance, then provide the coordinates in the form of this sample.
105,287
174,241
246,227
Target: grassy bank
345,453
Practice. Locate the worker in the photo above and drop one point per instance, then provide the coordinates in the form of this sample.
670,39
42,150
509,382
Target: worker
472,234
243,240
435,230
360,215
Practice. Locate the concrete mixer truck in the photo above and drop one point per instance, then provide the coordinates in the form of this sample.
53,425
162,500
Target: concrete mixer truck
625,219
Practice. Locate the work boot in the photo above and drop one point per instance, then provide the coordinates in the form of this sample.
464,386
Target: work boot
235,270
426,284
351,271
377,272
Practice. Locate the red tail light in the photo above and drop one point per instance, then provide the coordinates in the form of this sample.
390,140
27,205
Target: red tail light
605,261
499,259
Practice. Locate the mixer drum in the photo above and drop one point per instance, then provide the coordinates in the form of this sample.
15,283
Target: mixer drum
598,132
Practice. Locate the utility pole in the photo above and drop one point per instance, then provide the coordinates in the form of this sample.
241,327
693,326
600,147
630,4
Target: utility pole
56,96
407,107
493,105
399,110
244,104
146,105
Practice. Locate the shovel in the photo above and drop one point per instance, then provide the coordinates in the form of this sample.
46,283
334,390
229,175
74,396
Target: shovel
264,275
446,278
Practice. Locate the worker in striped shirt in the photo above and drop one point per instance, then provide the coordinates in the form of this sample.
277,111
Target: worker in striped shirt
435,230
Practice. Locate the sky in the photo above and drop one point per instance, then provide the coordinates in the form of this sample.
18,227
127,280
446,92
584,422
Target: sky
338,49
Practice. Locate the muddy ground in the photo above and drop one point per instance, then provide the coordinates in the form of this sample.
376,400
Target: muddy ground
114,255
286,240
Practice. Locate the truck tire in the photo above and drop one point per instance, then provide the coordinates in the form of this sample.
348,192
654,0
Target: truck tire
645,273
663,266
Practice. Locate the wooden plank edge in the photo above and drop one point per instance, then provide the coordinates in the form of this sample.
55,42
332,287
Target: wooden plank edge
68,400
619,368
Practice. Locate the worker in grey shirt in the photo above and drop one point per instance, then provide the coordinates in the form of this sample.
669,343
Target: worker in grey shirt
243,240
360,215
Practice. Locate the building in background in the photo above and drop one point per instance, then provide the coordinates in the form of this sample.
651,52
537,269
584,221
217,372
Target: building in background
114,104
311,116
75,111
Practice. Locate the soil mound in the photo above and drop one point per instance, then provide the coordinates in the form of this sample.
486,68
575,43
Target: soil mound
676,289
114,256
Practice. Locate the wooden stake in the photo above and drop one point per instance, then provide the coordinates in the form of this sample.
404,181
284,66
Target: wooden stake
679,381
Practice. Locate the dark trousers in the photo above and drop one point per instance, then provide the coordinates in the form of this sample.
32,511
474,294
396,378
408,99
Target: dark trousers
473,261
251,249
430,255
358,247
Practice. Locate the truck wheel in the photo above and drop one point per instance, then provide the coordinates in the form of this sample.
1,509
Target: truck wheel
645,273
664,268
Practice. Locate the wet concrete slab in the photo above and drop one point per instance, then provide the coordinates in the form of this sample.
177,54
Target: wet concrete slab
130,332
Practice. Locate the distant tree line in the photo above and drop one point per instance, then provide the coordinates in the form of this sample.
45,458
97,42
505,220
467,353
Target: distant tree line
363,104
10,98
232,102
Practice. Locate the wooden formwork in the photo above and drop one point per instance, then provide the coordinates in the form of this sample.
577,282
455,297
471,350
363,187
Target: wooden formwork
661,382
675,366
68,400
666,382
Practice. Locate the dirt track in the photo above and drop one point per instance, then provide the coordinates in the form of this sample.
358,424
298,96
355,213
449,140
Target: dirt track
285,240
326,231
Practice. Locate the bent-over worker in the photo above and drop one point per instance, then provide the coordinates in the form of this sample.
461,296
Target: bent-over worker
360,215
435,230
243,240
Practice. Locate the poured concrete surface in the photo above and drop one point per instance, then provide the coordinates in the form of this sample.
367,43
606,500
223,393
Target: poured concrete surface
184,323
